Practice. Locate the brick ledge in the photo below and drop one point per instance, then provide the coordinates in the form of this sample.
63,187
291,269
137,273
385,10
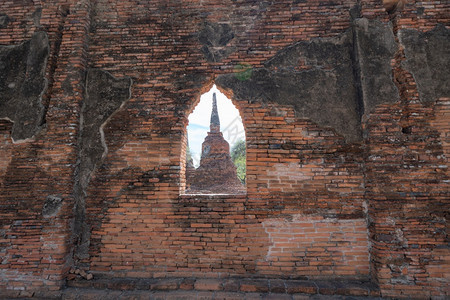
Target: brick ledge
237,286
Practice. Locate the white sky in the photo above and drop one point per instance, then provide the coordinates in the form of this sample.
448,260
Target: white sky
230,122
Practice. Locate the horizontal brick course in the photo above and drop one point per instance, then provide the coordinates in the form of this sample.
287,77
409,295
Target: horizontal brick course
315,206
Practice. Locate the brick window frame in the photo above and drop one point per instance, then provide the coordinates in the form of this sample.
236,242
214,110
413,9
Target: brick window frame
240,106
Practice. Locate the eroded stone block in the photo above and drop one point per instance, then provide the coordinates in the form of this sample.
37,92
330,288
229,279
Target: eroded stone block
215,37
22,84
52,206
315,77
428,59
375,47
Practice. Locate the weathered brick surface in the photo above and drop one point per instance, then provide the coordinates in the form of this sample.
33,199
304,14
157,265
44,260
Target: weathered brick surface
316,206
34,249
407,171
6,146
318,247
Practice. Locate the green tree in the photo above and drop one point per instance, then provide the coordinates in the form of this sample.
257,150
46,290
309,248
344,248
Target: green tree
189,160
238,158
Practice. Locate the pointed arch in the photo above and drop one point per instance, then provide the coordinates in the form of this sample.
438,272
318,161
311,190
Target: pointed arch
214,122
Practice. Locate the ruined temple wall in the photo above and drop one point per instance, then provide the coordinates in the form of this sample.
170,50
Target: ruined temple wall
37,181
331,178
206,236
317,187
407,165
164,48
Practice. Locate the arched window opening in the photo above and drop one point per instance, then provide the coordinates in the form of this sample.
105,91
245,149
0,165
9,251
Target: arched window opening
215,127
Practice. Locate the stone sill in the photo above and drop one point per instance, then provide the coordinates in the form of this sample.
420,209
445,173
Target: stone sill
236,286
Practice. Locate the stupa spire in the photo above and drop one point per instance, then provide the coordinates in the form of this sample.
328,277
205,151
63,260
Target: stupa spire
214,125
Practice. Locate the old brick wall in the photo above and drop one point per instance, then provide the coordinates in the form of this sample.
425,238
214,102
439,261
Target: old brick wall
211,235
326,199
407,172
168,78
35,244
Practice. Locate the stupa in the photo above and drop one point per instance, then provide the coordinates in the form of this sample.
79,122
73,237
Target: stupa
216,173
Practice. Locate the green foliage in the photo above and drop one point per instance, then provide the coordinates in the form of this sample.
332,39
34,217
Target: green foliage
238,150
238,158
240,169
189,160
188,154
243,71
